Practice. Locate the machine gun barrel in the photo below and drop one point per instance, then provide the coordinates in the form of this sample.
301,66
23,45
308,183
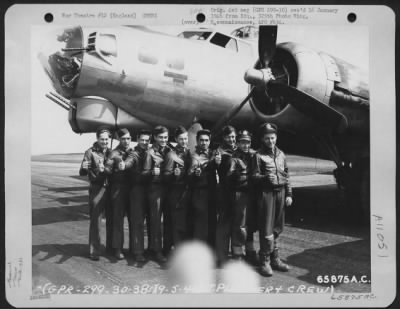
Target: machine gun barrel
75,49
62,99
57,101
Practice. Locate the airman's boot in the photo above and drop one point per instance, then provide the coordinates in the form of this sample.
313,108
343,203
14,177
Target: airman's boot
265,258
265,266
118,254
276,262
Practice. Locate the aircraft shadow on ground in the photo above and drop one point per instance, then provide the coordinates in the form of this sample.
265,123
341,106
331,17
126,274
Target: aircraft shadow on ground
60,214
59,158
67,200
66,251
69,189
322,208
349,258
84,178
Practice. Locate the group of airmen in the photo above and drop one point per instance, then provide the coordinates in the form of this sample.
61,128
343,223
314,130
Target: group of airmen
220,197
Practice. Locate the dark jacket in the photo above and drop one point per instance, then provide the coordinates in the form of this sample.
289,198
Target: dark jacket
266,162
239,172
154,158
111,167
206,161
135,164
226,155
95,155
178,158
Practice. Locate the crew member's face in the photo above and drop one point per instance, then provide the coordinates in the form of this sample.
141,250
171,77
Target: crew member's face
244,145
125,141
182,140
269,140
204,142
161,139
230,139
103,139
144,141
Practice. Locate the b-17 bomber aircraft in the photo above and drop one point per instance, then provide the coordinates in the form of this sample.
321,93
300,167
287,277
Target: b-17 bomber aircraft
135,77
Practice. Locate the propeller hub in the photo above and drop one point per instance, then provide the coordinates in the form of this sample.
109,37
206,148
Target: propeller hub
258,78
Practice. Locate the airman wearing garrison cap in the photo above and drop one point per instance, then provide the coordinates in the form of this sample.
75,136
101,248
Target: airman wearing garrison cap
93,166
270,171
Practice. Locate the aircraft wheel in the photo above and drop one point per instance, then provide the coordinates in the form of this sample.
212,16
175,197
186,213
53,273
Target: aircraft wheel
354,179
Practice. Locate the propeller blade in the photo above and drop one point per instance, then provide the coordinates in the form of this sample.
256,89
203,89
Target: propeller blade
310,106
266,44
231,113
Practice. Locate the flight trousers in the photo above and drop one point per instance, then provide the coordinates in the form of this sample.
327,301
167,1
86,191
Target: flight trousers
177,203
120,207
271,212
201,214
251,219
137,214
241,201
156,201
98,201
224,222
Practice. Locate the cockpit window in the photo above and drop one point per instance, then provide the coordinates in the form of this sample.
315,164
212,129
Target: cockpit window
147,55
224,41
107,44
246,32
216,39
195,35
104,44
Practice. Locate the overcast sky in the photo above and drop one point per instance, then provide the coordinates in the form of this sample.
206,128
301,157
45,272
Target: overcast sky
51,132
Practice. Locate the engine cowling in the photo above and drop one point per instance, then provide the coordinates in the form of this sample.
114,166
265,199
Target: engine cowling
319,75
93,112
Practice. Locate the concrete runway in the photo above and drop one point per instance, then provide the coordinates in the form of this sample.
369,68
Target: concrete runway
319,238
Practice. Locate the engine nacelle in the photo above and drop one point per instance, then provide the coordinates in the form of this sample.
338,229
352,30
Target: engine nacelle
93,112
331,81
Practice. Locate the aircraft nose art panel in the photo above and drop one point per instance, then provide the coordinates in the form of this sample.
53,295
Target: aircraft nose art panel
61,57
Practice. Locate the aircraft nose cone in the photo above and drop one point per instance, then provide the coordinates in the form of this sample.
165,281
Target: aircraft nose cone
61,57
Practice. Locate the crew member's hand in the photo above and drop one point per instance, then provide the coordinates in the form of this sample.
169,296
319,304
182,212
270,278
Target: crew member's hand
197,171
86,165
121,165
177,171
156,171
289,201
218,158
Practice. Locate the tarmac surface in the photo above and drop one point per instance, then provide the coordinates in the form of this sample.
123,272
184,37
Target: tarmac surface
319,239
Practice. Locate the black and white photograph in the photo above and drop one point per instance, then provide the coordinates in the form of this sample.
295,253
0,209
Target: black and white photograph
231,155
